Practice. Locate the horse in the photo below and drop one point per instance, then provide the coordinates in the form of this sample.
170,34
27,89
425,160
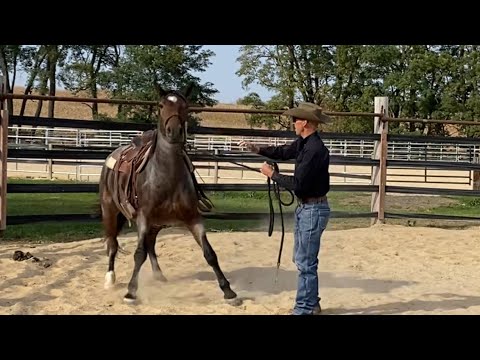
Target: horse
165,194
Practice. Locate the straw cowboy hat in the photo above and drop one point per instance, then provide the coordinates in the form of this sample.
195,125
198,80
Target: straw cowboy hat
308,111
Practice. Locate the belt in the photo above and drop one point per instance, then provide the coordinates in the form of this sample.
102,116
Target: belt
313,200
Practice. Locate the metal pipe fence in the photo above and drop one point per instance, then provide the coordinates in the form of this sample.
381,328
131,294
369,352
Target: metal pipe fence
399,150
88,170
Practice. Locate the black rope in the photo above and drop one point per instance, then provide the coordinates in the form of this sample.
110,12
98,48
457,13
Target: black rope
276,192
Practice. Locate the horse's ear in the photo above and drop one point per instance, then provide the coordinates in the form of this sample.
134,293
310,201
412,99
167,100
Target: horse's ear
188,89
160,91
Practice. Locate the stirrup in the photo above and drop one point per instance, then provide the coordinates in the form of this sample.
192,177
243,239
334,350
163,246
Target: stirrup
129,209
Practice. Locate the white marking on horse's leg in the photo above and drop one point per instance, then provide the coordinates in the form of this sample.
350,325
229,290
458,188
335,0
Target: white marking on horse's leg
129,300
109,279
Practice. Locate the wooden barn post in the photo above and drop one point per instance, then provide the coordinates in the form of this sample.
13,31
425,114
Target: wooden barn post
379,173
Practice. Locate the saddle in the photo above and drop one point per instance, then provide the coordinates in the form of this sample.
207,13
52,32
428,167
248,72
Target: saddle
130,162
146,138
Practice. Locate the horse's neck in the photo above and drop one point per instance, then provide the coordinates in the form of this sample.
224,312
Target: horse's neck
166,155
166,171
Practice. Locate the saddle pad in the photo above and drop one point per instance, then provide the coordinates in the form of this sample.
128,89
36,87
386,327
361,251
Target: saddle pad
110,162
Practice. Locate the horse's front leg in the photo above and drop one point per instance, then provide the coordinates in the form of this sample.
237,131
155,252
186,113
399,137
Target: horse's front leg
139,257
197,229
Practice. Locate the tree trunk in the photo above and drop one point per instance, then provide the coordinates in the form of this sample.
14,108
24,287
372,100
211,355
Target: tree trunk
308,76
413,110
43,90
116,64
53,84
291,79
31,80
8,90
93,78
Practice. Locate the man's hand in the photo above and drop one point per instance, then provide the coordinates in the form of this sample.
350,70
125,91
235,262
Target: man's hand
267,170
250,147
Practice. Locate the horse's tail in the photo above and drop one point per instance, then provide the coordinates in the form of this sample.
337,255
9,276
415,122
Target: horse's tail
97,206
97,209
204,203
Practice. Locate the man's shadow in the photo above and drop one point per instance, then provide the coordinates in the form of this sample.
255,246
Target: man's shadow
261,280
257,281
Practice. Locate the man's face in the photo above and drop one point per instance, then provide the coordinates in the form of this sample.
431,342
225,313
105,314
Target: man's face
299,125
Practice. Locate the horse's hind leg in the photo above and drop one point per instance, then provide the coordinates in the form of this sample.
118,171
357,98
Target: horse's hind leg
139,258
113,221
150,241
198,231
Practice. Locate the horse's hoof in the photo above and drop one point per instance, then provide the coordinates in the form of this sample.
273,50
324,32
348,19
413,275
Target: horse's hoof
109,280
229,294
234,302
129,299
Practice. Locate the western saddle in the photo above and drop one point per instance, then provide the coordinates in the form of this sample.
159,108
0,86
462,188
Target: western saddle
130,162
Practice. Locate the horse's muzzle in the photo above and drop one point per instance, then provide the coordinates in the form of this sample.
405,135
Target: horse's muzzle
175,134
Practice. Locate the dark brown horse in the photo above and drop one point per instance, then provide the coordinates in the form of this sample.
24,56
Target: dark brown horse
165,192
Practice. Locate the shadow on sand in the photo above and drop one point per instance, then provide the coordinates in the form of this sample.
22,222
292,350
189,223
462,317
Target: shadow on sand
262,280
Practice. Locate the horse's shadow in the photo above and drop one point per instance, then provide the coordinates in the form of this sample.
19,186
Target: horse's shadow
262,280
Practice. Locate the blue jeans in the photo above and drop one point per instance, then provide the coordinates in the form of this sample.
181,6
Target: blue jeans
310,222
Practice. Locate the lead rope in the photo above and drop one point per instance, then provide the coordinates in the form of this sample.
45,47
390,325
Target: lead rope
276,191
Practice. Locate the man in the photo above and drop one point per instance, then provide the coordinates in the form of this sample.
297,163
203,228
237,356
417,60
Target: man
310,183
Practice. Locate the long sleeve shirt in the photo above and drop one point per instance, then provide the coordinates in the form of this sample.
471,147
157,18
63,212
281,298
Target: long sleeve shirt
312,158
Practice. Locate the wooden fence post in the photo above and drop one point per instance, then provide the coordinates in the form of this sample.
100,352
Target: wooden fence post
215,169
475,177
379,173
3,154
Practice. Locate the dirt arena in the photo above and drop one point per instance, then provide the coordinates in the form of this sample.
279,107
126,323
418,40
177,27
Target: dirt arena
385,269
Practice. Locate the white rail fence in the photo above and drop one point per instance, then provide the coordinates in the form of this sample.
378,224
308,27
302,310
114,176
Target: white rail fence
44,137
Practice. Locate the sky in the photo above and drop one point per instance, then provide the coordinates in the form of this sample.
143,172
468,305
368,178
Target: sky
221,73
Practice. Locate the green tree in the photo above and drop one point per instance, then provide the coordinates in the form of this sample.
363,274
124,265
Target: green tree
421,81
270,121
172,66
85,65
10,58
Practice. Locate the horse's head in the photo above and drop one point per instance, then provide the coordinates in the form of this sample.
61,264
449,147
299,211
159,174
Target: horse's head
173,114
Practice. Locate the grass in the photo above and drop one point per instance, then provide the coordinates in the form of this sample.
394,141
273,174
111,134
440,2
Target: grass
463,206
85,203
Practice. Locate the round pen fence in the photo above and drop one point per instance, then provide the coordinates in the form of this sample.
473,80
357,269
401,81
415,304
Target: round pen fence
378,151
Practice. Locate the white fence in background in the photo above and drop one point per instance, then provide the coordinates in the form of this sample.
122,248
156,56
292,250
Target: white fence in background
43,137
405,150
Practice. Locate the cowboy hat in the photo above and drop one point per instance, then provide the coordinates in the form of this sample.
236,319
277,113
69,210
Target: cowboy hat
308,111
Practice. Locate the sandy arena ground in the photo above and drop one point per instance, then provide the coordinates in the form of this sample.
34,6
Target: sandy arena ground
385,269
